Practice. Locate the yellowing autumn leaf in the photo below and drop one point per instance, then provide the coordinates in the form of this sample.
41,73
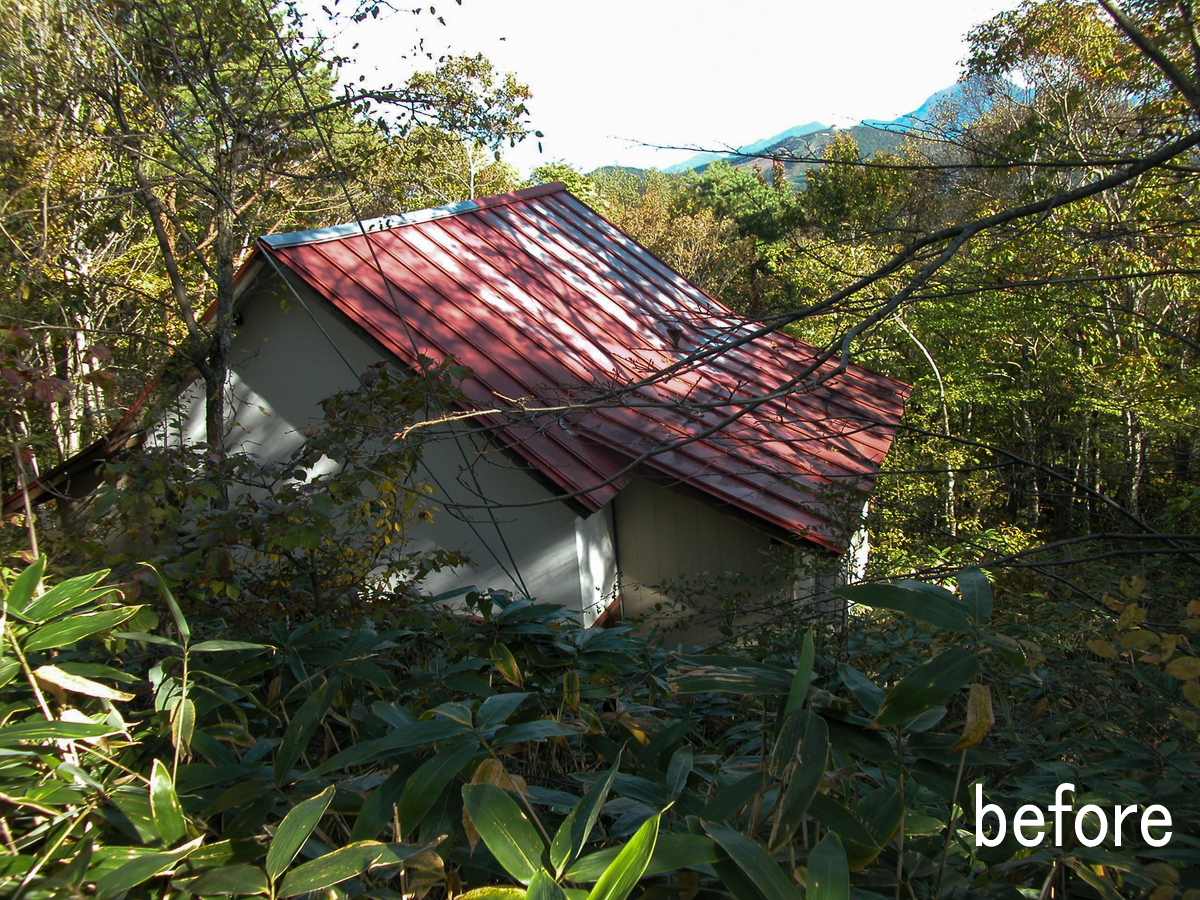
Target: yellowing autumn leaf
980,717
1185,668
1103,648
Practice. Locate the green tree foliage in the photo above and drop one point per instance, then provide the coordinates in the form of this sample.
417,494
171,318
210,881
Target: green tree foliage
1045,322
321,534
150,144
661,213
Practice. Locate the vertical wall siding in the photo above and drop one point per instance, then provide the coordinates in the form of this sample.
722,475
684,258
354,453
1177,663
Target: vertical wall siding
665,535
284,364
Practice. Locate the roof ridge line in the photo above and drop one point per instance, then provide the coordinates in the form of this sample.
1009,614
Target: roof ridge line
397,220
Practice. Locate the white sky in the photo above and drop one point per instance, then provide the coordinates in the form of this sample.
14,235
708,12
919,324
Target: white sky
609,76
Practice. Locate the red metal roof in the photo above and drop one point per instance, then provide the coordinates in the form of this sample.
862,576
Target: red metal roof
544,300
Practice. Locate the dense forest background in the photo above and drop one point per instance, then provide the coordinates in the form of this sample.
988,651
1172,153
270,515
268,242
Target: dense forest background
1026,259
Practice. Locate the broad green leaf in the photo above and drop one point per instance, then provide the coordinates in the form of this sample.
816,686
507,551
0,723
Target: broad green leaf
836,817
20,592
867,692
226,853
532,731
74,873
67,595
300,731
828,872
976,593
294,830
754,861
505,830
8,671
923,721
164,591
736,882
800,683
506,664
881,812
43,730
333,868
144,638
920,604
928,685
131,874
402,738
495,710
164,805
573,833
77,627
671,852
543,887
77,684
183,723
495,892
217,646
1007,648
623,873
752,682
230,881
856,739
459,713
13,864
805,779
726,802
783,752
678,770
427,783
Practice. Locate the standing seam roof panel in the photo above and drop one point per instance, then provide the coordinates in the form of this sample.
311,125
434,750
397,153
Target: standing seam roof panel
544,299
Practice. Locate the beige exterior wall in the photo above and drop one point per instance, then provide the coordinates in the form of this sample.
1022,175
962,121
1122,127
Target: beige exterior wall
706,557
285,363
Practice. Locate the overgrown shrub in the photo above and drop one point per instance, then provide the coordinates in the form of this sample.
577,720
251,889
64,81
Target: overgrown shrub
320,534
511,754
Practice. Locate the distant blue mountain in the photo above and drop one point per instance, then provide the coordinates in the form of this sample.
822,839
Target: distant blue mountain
703,159
922,115
873,135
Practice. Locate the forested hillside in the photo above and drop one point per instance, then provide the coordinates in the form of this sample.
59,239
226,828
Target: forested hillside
219,675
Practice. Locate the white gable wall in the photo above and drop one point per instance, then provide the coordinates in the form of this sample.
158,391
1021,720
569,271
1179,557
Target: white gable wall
284,363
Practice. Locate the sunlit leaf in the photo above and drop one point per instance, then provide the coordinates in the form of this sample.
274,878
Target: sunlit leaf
20,592
294,830
333,868
623,873
506,830
77,627
544,887
164,804
980,717
142,868
56,677
236,881
576,828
